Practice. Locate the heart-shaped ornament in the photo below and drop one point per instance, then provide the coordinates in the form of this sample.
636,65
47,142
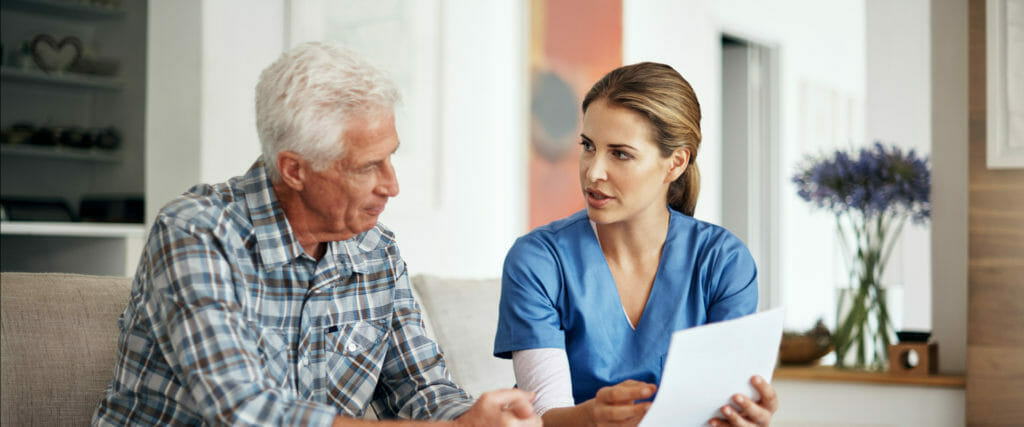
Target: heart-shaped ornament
51,55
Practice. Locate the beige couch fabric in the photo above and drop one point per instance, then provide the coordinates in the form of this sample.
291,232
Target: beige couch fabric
58,344
58,337
463,316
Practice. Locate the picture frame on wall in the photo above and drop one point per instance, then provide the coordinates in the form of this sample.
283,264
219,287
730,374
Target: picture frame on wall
1004,41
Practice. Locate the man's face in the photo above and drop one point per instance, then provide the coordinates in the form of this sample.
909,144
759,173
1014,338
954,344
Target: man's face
346,198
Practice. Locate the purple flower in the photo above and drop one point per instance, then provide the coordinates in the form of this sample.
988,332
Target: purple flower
880,180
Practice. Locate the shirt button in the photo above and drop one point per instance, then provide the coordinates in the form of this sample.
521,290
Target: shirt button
352,347
305,362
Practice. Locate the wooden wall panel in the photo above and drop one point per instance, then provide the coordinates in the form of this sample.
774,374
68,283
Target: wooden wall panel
995,316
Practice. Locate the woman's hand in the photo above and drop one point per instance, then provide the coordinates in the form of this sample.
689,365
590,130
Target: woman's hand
750,413
615,405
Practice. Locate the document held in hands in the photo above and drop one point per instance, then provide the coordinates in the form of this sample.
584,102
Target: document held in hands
708,364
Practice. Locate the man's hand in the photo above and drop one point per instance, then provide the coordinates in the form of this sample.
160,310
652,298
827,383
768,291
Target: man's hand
616,405
501,408
750,413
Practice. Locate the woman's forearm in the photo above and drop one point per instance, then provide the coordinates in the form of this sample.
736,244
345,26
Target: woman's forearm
568,416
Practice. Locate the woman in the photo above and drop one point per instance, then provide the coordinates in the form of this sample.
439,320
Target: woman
589,302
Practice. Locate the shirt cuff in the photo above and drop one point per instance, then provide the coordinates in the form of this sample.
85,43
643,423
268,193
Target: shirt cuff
451,410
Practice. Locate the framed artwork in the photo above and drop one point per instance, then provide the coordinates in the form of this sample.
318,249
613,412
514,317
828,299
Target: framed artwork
1004,39
573,43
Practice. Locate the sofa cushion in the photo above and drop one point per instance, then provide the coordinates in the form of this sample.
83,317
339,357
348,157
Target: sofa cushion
58,345
462,316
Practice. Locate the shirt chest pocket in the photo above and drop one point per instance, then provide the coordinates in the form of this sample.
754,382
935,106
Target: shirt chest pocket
355,357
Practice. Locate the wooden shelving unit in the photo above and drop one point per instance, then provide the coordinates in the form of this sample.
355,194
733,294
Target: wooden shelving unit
64,8
832,374
72,229
61,79
61,152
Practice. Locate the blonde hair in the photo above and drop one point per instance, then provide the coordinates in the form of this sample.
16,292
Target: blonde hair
306,97
663,96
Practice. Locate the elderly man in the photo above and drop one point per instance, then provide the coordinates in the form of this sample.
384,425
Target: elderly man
276,297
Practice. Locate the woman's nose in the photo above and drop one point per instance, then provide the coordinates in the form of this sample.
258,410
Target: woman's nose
596,169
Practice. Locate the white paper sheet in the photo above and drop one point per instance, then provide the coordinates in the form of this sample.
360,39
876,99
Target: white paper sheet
708,364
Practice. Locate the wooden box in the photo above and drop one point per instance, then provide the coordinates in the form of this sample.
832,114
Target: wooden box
901,358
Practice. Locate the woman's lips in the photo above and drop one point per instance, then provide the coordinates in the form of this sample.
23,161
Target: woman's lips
597,199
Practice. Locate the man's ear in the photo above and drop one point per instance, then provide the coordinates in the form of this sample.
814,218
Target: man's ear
292,168
680,160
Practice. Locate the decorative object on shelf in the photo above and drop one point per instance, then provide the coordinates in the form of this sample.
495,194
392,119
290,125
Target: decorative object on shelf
94,65
44,136
805,348
872,193
914,355
36,209
18,133
108,138
74,137
112,208
53,55
21,58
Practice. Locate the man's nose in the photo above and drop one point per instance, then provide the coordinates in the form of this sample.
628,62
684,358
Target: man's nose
389,182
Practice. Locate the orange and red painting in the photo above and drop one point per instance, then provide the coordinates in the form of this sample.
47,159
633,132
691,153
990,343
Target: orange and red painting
573,43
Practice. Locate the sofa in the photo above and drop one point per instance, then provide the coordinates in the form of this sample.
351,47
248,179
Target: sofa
58,340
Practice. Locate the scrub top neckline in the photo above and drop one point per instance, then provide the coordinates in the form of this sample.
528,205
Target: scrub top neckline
607,271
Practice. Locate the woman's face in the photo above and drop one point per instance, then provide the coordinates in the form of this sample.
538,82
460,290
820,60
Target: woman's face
622,172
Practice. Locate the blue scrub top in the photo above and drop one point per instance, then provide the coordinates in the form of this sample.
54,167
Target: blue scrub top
558,292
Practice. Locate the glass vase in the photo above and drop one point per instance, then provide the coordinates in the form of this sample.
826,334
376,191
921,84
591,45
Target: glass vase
863,328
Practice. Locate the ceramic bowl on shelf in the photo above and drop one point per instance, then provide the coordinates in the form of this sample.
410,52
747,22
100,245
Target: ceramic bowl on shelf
913,336
802,350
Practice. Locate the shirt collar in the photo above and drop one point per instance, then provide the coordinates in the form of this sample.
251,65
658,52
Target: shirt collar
274,237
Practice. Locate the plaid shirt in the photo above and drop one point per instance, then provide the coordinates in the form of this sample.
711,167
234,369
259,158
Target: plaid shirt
231,322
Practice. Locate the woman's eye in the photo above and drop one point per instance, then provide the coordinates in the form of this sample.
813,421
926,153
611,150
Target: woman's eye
622,155
587,145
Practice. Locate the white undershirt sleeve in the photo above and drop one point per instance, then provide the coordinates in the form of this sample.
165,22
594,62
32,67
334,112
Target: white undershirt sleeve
545,371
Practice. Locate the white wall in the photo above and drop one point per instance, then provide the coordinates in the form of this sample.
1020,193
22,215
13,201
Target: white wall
898,102
820,404
203,66
480,205
234,52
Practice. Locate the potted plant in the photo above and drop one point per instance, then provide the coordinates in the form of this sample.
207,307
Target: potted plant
872,192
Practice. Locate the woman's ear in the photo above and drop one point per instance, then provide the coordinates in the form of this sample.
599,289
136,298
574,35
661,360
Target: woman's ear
292,168
679,159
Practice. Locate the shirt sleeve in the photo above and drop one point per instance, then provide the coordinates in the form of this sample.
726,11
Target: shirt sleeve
414,382
528,316
201,331
546,372
733,280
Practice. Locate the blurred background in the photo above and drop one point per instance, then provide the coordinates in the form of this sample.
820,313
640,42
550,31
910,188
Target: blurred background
489,123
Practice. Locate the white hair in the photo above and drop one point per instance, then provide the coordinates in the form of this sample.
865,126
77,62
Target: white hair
306,98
